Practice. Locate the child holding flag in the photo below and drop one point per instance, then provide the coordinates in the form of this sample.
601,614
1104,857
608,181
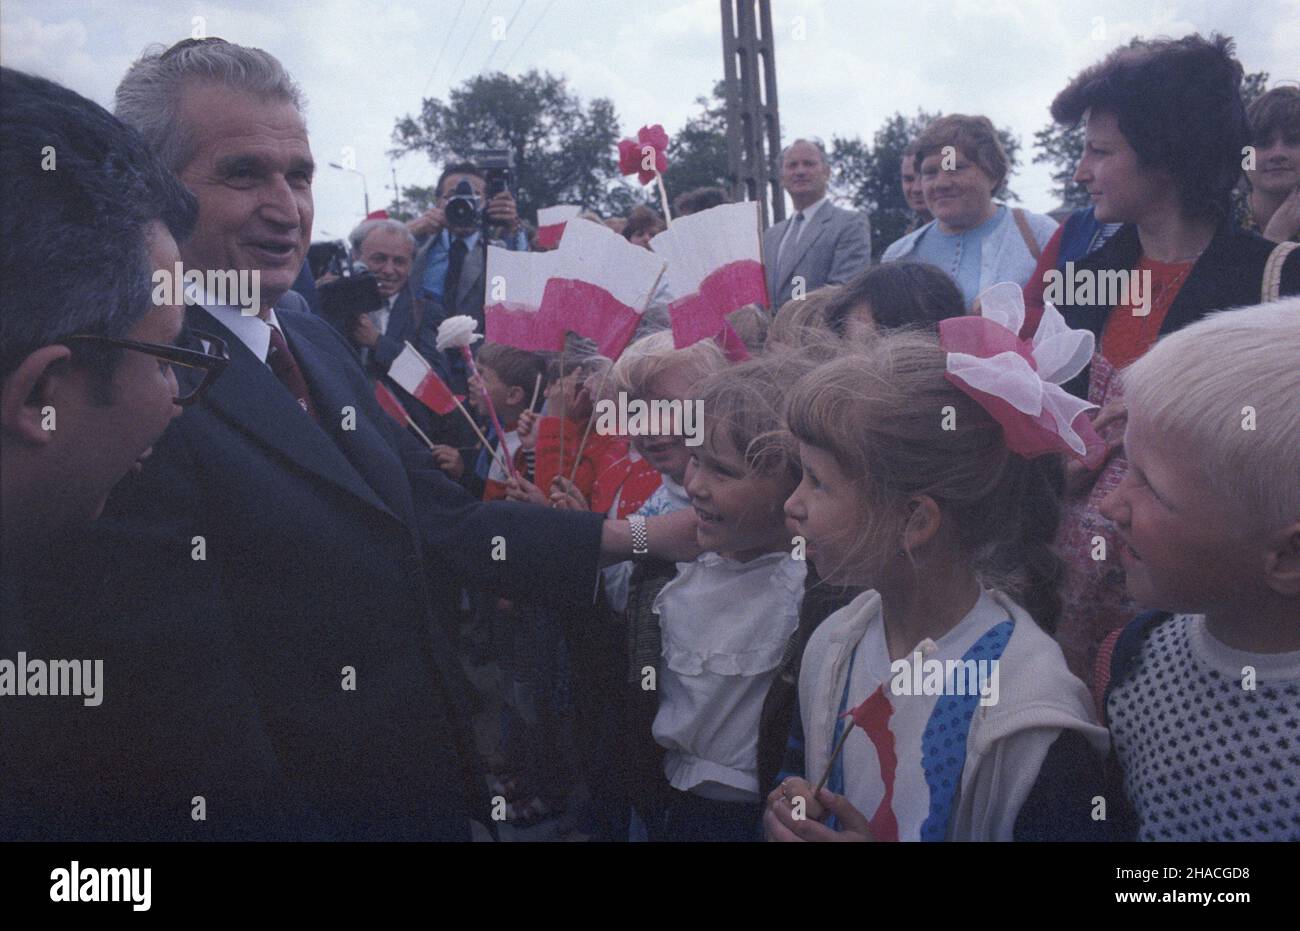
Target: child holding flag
936,493
507,376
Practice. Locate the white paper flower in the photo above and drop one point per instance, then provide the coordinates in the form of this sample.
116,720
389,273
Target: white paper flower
458,331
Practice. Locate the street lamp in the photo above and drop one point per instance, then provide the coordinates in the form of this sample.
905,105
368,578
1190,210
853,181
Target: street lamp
365,189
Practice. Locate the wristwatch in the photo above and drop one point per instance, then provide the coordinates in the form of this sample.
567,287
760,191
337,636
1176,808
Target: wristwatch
640,540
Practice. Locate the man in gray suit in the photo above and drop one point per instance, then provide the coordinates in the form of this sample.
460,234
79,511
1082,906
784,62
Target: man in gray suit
821,244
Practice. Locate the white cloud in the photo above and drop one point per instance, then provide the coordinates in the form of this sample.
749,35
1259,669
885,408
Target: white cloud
362,65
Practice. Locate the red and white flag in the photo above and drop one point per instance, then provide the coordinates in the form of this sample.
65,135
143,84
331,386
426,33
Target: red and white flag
715,266
515,284
601,287
417,377
390,403
550,224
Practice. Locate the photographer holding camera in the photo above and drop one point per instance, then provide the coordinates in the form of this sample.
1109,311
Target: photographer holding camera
450,267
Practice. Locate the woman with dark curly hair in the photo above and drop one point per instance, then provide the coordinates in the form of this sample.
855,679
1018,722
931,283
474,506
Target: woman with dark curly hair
1165,130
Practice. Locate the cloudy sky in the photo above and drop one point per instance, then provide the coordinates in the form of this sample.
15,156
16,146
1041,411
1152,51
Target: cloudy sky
843,66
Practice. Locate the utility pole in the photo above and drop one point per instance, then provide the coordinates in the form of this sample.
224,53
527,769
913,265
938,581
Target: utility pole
753,123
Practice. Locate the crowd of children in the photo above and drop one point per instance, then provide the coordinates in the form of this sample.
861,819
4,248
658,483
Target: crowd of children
869,512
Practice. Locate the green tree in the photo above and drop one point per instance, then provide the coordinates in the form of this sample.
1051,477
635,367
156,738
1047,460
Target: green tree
563,150
697,153
416,199
1061,147
868,175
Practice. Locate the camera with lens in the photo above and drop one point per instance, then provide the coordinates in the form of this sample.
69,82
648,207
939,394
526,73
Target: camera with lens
464,209
354,292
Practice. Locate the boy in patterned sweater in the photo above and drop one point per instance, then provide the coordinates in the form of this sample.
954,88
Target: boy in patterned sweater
1203,695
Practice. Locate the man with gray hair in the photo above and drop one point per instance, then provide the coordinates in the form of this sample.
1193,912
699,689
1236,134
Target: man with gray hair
387,248
821,244
339,548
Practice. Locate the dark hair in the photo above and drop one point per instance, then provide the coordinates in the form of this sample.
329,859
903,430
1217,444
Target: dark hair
702,198
873,408
517,368
1178,104
640,220
1276,113
456,168
73,237
900,294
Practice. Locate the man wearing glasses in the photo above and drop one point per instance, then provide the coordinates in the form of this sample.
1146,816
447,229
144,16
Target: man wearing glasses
88,368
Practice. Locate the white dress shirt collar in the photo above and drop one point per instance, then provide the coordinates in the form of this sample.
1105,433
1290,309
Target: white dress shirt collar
253,331
811,210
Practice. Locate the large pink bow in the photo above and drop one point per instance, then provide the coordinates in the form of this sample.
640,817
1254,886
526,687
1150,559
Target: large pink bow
1018,381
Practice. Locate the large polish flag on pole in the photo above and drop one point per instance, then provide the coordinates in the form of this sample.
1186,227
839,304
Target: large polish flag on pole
602,285
715,266
516,282
550,224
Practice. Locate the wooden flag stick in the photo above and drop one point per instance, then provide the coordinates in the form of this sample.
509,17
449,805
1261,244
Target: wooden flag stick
537,389
663,198
495,453
416,427
834,755
573,473
460,407
564,395
492,410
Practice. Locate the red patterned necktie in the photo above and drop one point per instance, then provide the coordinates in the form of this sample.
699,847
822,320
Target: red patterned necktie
285,367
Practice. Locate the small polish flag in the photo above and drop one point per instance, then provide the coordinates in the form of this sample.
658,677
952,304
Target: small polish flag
417,377
391,405
716,266
515,284
601,287
550,224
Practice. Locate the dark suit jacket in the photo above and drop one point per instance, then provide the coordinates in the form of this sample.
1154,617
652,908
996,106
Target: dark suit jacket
328,550
835,247
414,319
1229,273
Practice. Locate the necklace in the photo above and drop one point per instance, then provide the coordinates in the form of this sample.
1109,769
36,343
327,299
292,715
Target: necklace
1173,283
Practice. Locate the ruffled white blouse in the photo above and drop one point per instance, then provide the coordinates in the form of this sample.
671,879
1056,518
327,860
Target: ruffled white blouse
725,626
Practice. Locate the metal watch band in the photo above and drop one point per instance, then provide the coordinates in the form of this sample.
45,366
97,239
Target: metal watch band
640,539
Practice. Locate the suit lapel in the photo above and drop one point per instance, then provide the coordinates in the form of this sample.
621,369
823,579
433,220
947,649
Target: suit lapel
815,227
384,481
250,396
400,317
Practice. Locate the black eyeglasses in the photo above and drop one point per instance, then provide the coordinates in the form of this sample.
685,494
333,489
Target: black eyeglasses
211,363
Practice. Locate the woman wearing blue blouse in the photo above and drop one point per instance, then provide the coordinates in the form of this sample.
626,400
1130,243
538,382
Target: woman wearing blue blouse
972,237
